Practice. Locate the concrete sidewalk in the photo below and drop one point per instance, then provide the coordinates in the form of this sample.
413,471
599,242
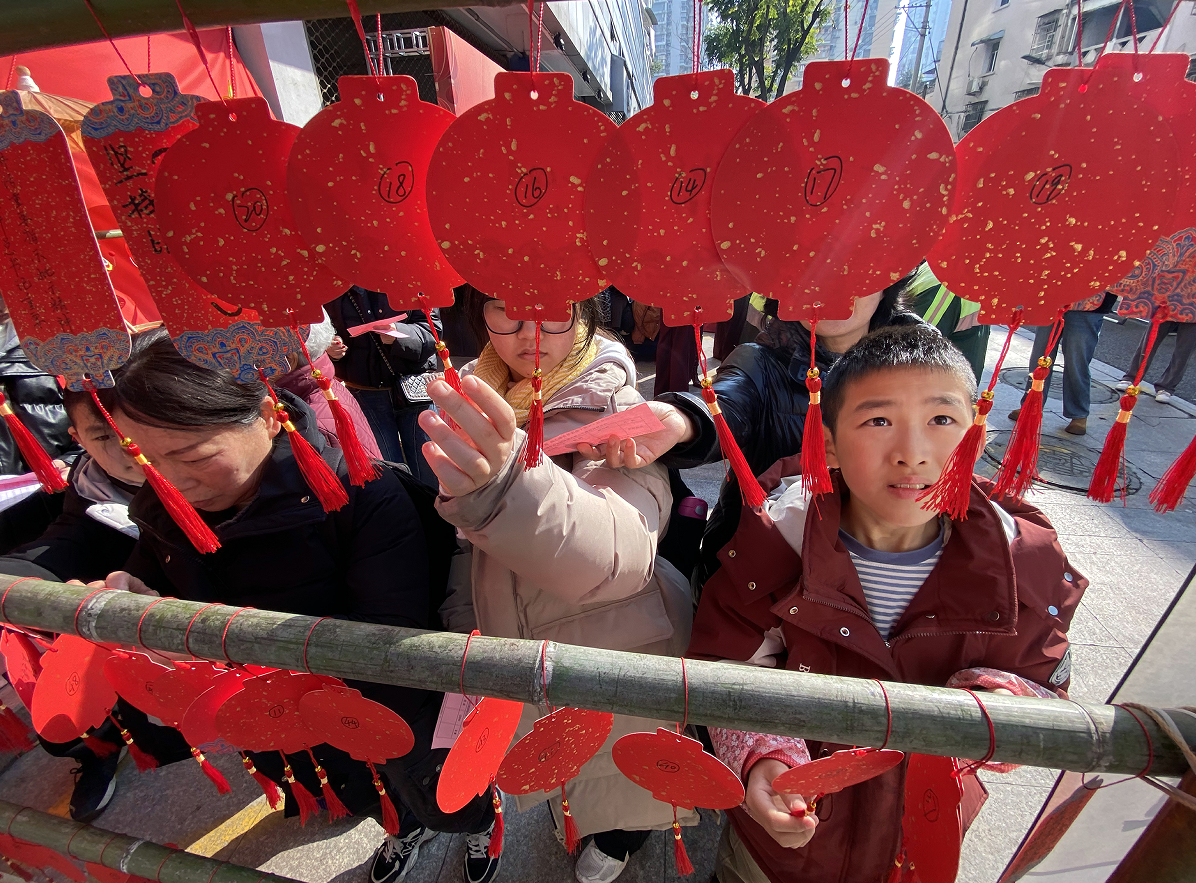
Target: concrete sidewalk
1134,558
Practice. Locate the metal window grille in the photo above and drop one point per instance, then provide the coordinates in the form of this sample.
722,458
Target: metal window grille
1025,93
1045,31
972,114
336,51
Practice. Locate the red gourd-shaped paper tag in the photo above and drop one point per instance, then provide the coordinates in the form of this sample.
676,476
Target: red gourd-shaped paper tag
125,139
198,725
932,827
648,198
52,275
506,192
72,695
475,757
556,749
1059,196
226,217
265,716
676,770
133,677
836,772
356,178
181,686
22,664
365,729
833,192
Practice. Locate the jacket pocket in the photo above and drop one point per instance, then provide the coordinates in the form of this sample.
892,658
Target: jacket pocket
619,625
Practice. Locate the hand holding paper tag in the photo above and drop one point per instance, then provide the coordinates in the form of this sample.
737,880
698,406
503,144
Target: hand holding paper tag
382,326
628,424
641,447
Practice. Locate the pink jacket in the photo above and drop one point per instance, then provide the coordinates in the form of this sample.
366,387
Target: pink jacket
301,383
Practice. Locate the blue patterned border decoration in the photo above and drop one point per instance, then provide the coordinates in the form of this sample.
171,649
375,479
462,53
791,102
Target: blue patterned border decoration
18,125
90,354
241,348
129,111
1166,278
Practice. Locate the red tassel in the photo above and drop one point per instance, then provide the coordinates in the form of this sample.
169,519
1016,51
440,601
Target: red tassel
336,809
390,818
14,735
495,849
749,488
898,868
306,803
1019,466
572,835
1169,492
451,377
680,856
815,479
361,467
535,424
145,762
32,452
99,747
214,775
951,494
1104,477
273,795
318,475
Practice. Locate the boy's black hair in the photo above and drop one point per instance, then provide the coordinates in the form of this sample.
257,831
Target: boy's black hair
79,403
899,346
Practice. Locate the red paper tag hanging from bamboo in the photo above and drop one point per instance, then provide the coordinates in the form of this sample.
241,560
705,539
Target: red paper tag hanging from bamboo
1059,195
264,715
475,757
72,695
506,190
132,676
364,729
833,192
221,192
356,178
840,770
932,829
52,275
648,198
126,138
677,770
198,724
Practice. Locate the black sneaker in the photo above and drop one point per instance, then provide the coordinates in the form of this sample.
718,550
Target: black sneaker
95,783
479,867
397,854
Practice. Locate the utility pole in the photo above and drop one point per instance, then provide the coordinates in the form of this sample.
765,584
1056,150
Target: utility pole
916,78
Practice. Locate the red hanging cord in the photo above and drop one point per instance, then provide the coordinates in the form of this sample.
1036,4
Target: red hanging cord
232,71
149,65
846,26
378,37
888,715
307,640
1079,33
12,69
860,31
141,620
1163,29
535,30
375,70
108,37
992,740
224,636
1112,27
198,44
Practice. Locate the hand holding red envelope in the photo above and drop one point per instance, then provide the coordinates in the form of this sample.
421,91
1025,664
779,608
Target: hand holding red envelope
834,773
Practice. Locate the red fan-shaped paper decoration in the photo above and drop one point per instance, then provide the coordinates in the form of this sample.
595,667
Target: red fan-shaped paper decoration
932,827
52,274
133,677
226,218
676,769
265,714
1059,195
22,664
648,198
345,719
506,191
356,178
474,759
182,685
834,191
556,749
125,140
72,695
841,770
198,725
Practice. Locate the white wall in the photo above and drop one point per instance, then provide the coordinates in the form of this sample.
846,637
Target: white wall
278,56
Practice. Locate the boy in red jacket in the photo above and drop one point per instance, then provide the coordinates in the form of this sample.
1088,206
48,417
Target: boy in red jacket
869,584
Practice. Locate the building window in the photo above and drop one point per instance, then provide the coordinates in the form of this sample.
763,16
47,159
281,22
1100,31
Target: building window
1000,4
1043,44
1192,69
1025,93
972,114
991,48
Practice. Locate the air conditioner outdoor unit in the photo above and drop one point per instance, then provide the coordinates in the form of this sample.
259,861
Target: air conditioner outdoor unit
976,85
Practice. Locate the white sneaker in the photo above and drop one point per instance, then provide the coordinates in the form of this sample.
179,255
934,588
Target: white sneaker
595,866
1123,385
1162,396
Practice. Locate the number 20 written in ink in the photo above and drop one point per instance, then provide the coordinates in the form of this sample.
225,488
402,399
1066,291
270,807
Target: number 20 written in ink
251,208
531,187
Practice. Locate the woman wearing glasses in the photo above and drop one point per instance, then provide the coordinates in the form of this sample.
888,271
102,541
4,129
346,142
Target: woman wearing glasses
565,551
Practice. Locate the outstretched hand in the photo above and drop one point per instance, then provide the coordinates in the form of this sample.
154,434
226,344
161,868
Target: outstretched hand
635,453
775,812
466,458
119,580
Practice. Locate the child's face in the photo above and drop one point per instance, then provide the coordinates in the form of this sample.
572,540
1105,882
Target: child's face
893,436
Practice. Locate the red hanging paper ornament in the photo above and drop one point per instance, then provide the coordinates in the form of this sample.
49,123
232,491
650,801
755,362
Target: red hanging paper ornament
827,775
356,178
366,730
176,691
198,724
226,217
125,140
932,829
833,192
306,803
14,735
132,676
22,664
264,715
72,695
552,754
316,472
336,809
475,757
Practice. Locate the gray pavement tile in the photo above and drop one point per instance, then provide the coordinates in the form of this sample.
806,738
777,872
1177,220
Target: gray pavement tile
319,852
1181,552
1087,629
1023,775
996,833
1151,525
1096,670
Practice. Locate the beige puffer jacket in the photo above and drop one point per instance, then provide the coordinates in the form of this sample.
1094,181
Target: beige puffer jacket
567,552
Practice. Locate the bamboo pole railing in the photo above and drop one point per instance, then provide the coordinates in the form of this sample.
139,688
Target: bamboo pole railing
122,853
1037,732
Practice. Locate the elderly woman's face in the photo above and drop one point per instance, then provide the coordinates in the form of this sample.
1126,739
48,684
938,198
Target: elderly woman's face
214,467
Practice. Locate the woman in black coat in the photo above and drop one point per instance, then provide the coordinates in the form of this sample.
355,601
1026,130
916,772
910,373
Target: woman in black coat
221,444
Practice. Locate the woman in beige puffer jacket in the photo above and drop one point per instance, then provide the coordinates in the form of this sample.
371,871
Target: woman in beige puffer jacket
565,551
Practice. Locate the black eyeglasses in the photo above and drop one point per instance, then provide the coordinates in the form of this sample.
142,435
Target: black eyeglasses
495,314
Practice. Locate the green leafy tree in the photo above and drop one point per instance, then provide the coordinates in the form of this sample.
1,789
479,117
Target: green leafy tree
762,40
